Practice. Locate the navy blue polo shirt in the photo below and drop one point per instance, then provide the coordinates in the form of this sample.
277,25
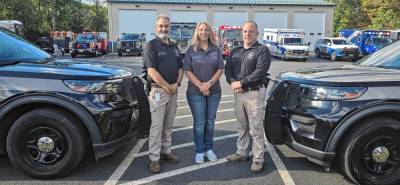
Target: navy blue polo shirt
203,64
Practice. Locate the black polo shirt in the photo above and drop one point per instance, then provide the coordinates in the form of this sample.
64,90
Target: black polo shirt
249,66
165,58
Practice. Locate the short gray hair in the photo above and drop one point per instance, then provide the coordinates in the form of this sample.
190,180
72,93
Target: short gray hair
163,16
251,22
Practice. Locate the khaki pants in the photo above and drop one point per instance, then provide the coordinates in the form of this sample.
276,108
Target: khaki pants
249,111
162,116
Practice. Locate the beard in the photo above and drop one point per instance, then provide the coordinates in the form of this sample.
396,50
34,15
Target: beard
162,35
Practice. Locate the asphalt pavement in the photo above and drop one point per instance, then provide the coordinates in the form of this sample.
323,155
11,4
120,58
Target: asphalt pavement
129,165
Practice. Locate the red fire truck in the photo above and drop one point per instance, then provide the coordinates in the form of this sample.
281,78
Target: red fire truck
229,37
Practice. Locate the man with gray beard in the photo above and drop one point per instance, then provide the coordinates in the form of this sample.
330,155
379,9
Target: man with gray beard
163,62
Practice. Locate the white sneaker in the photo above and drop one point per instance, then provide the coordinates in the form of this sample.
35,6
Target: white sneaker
211,155
199,158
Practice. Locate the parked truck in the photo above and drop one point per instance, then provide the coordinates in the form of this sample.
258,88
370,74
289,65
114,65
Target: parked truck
368,41
131,43
89,43
286,43
13,25
182,34
229,37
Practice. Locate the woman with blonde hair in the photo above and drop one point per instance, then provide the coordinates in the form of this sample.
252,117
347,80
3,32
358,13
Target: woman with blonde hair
203,66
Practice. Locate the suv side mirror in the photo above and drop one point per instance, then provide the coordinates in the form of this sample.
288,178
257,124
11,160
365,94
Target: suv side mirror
309,43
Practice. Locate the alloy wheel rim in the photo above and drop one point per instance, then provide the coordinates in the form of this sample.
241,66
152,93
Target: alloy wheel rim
44,146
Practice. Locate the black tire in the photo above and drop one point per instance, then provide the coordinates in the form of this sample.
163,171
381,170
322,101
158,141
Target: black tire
73,55
69,143
333,56
104,52
317,53
144,121
354,59
356,153
119,54
304,59
283,57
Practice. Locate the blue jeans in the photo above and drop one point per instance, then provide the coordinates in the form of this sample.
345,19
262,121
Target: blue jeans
204,111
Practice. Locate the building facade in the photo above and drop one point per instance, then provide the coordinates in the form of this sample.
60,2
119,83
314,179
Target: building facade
314,16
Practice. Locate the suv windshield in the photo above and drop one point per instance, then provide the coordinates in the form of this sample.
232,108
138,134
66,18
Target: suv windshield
340,42
85,37
388,57
15,48
176,32
293,41
130,37
379,42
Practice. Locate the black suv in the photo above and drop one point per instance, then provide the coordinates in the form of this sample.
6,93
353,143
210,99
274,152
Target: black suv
347,116
131,43
53,111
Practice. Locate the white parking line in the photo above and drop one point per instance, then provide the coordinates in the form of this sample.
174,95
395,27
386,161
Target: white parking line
175,172
221,102
117,174
283,172
191,144
113,180
186,116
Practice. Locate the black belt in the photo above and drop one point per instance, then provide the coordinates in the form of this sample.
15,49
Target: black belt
253,88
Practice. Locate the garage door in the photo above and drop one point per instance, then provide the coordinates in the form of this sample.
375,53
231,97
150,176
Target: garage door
188,16
229,18
270,20
313,25
137,21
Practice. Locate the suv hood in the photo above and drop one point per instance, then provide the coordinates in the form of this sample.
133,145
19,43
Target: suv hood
344,46
349,75
292,47
66,70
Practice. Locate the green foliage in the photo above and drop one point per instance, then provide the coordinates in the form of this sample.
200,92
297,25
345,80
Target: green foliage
39,17
363,14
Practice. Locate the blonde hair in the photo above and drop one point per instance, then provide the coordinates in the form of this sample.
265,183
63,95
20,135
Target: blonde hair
196,38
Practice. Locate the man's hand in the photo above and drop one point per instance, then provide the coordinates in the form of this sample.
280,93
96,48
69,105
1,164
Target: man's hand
238,90
236,85
173,88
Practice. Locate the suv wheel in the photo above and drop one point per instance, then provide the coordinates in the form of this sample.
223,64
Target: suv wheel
333,56
119,54
46,143
73,55
370,153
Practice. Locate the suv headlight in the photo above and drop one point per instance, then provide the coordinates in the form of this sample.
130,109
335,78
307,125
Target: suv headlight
333,93
94,87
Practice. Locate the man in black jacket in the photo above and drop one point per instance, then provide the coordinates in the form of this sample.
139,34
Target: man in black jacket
246,69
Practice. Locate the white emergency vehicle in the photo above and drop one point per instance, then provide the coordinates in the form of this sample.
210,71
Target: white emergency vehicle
286,43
